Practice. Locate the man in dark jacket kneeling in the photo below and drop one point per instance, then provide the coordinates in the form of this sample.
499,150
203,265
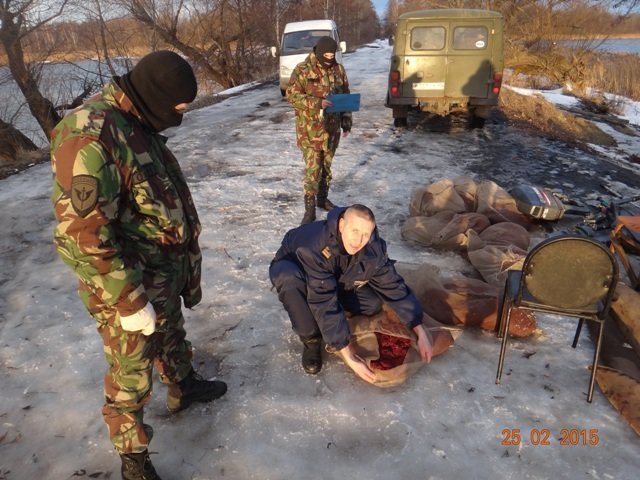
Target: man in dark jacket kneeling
327,268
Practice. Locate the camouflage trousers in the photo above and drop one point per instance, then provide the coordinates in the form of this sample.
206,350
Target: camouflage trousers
317,165
131,358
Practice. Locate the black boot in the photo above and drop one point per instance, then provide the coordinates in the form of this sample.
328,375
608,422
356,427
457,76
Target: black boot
312,354
323,192
193,388
137,466
323,187
309,209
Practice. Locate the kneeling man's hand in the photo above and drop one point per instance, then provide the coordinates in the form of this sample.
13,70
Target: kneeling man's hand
424,343
357,365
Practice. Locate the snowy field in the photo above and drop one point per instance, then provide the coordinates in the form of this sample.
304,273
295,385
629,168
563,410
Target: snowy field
448,421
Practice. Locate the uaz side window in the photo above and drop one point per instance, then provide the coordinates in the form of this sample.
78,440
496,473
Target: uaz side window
427,38
470,38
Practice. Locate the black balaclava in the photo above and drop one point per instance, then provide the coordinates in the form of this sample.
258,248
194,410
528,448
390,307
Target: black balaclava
160,81
326,45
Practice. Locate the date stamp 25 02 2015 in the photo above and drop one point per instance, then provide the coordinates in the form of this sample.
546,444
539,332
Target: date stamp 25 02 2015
571,437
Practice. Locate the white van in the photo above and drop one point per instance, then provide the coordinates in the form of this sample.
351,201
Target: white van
298,39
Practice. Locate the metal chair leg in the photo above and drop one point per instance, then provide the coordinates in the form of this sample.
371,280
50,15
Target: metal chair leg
577,335
594,368
503,345
500,314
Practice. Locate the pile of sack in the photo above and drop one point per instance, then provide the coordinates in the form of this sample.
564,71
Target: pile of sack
482,221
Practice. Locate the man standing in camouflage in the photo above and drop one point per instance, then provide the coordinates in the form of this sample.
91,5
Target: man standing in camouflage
128,228
317,131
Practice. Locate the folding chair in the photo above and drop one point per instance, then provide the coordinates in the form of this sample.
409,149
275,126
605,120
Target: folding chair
566,275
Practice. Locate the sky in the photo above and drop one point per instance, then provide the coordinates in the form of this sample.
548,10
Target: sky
380,5
244,170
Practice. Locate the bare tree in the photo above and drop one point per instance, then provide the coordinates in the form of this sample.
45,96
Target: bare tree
163,19
279,9
390,17
101,38
12,140
18,18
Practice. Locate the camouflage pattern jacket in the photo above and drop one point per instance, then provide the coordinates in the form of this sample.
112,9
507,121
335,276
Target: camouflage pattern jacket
126,219
310,83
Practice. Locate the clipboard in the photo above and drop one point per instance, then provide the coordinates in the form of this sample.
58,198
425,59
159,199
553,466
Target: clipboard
344,102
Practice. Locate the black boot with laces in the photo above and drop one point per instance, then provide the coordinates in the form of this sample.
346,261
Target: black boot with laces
309,209
322,198
193,388
137,466
312,354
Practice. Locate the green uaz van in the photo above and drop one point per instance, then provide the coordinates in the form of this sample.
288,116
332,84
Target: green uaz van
445,61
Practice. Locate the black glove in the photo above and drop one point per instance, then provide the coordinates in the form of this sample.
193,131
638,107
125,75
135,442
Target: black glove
345,123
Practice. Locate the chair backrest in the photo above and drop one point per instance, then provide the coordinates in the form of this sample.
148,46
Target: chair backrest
570,272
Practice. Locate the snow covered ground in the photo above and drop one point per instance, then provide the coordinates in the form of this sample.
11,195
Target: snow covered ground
450,420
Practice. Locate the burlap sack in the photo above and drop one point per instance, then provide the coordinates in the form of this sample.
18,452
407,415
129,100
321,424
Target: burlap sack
422,230
498,249
497,204
493,262
420,277
467,188
506,234
462,300
446,230
389,348
434,198
455,235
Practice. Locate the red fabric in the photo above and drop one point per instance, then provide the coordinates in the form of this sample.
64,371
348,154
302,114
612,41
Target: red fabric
392,351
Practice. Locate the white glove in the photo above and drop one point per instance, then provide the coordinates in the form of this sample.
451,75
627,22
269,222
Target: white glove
144,319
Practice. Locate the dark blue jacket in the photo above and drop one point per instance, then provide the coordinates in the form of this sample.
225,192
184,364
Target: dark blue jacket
317,249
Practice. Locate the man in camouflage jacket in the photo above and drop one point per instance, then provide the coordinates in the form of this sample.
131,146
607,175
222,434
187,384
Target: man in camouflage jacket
128,228
318,132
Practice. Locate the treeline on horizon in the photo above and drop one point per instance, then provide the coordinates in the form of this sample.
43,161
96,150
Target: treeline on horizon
232,34
125,28
526,18
227,41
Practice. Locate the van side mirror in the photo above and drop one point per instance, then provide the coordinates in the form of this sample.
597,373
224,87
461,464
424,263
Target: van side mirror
274,52
343,46
391,40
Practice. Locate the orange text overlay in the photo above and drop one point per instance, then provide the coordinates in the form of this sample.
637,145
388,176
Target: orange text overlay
569,437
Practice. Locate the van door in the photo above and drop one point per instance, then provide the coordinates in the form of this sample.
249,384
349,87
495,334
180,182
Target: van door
469,65
423,66
336,37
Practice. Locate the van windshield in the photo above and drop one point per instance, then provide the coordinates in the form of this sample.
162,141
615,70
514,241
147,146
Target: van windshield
295,43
